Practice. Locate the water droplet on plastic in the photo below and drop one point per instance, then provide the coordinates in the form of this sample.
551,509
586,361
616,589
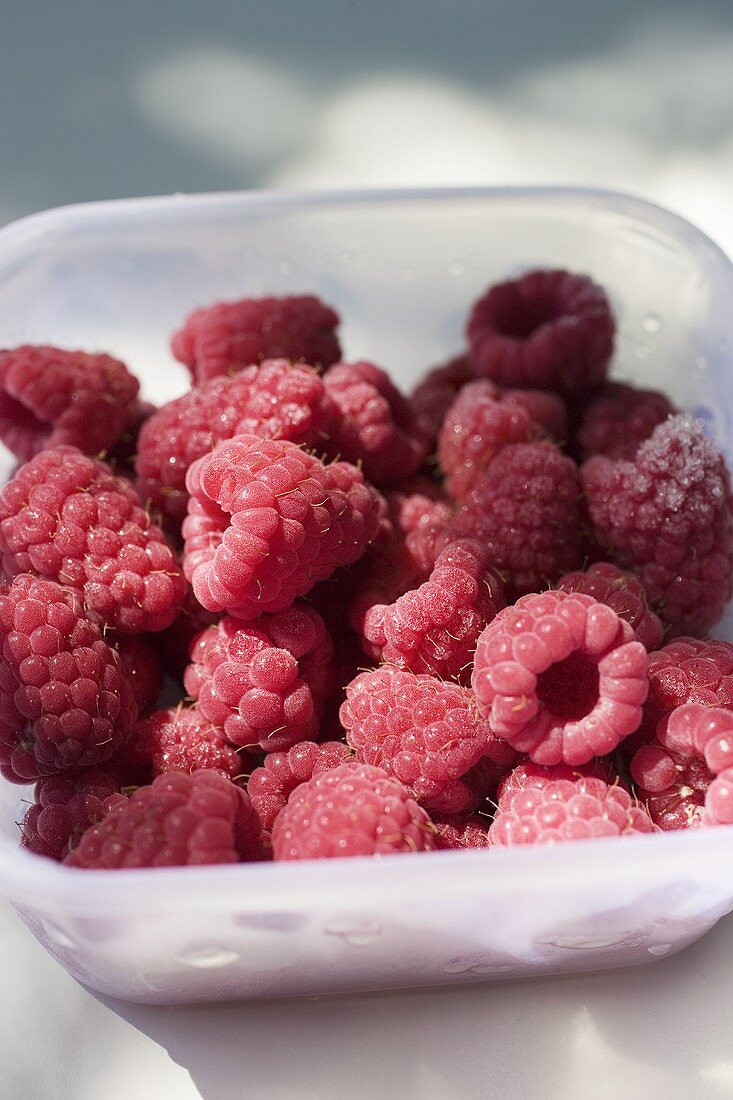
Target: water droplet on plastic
660,949
57,935
207,956
701,362
286,267
456,268
479,964
348,258
723,347
355,933
652,322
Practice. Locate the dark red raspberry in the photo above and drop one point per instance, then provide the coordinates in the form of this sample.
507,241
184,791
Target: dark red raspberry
49,396
525,511
67,518
620,418
373,425
179,820
351,810
223,338
264,683
548,330
175,642
668,515
624,593
182,739
432,397
267,521
142,665
64,699
559,676
455,833
64,808
270,786
529,774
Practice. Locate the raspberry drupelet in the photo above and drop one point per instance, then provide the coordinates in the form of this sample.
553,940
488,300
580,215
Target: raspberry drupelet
619,419
267,521
559,676
64,808
624,593
182,739
270,786
68,518
432,397
224,337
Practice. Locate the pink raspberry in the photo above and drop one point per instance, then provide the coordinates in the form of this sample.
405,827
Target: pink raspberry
624,593
351,810
64,698
620,418
529,774
142,665
559,677
434,628
264,683
64,807
223,338
182,739
435,393
179,820
373,425
49,396
275,400
67,518
426,733
525,511
549,330
668,515
267,521
270,786
456,833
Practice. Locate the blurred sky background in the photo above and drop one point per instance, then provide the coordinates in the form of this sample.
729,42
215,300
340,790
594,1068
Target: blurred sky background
102,99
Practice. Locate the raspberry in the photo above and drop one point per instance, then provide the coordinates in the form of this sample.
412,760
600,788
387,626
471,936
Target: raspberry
559,677
528,774
64,699
435,393
621,418
351,810
548,410
672,785
264,683
426,733
179,820
65,806
67,518
142,665
267,521
434,628
373,425
525,511
223,338
181,739
453,832
49,396
623,593
668,515
562,809
270,786
688,670
175,642
549,330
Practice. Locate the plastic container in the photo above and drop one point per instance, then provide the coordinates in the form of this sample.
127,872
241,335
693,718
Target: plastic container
402,268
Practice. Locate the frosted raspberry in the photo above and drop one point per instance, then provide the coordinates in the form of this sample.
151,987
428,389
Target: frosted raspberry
351,810
525,511
67,518
264,683
426,733
64,699
267,521
182,739
529,774
142,665
559,677
373,425
275,400
175,642
49,396
179,820
624,593
453,832
65,806
548,330
223,338
435,393
620,418
270,786
669,516
434,628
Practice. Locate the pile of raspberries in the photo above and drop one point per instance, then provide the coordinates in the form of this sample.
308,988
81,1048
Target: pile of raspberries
476,616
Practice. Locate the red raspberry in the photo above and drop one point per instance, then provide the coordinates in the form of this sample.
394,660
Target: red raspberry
547,409
547,330
49,396
264,683
435,393
426,733
270,786
688,670
579,809
64,699
529,774
559,677
223,338
67,518
434,628
175,642
274,400
182,739
669,516
179,820
142,665
351,810
672,785
65,806
453,832
619,419
373,425
621,591
525,511
267,521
